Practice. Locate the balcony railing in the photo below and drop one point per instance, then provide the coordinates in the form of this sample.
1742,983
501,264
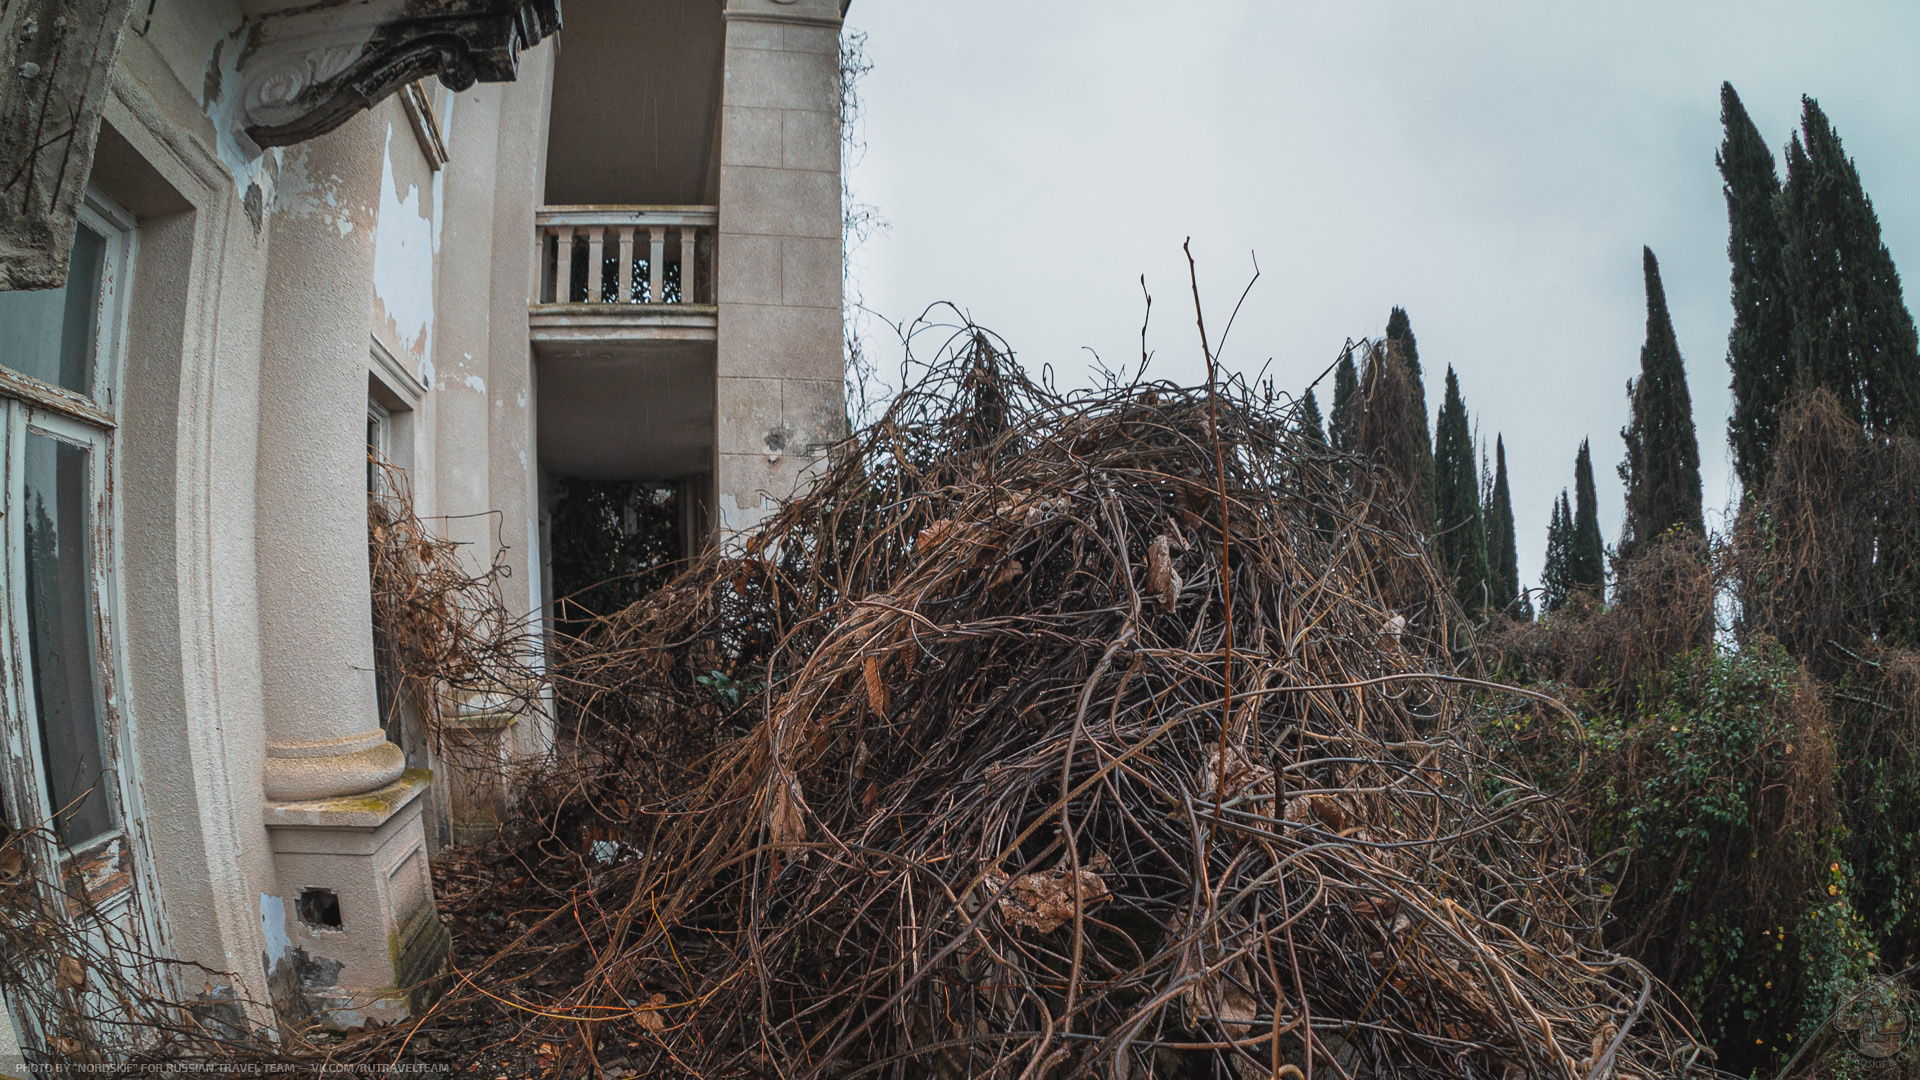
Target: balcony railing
625,254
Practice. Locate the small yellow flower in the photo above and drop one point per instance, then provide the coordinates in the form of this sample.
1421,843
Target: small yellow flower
1833,890
1835,868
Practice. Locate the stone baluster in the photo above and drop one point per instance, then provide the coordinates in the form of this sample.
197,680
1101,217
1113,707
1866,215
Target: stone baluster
657,264
563,266
687,233
626,265
596,255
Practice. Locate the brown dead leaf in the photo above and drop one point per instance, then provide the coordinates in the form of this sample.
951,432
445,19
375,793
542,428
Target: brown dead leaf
1380,907
784,823
1242,774
932,535
70,974
1329,811
1045,902
1008,571
12,862
1162,579
648,1015
877,697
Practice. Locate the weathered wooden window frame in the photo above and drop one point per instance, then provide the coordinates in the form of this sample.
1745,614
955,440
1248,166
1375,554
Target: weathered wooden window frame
109,877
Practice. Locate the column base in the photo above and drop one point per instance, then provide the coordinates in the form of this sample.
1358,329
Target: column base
314,771
353,934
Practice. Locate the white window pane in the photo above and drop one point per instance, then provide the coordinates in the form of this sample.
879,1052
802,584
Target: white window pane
49,333
60,636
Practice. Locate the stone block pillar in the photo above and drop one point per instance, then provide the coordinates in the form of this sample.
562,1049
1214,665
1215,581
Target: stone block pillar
352,908
779,396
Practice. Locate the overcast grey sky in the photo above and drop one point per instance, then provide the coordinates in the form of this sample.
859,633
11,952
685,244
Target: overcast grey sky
1492,167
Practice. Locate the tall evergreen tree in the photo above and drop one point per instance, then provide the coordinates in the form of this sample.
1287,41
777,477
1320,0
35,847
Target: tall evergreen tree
1503,557
1852,332
1383,407
1556,574
1400,331
1344,422
1308,418
1460,539
1662,468
1400,337
1586,554
1760,344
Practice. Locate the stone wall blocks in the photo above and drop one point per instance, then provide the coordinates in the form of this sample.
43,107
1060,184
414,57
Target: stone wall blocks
813,39
780,202
779,342
743,34
810,140
748,410
810,272
751,268
815,411
782,80
752,136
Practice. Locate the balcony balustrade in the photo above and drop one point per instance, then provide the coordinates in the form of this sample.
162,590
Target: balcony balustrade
629,255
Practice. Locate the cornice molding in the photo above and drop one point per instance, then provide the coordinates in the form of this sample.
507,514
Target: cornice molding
824,13
831,22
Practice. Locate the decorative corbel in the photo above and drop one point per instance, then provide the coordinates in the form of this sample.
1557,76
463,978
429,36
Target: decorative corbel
57,58
307,70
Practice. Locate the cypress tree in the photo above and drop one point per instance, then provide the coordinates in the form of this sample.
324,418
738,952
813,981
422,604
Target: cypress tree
1308,418
1344,421
1586,555
1400,331
1383,407
1460,541
1662,468
1503,557
1852,333
1556,579
1400,337
1760,343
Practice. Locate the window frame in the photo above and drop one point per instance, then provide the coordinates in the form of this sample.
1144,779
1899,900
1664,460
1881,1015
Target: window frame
107,878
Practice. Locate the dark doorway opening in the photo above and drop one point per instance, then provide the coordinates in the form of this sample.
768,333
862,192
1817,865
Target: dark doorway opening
614,541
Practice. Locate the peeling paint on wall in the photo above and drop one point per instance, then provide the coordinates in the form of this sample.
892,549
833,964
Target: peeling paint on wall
254,171
298,194
273,927
403,266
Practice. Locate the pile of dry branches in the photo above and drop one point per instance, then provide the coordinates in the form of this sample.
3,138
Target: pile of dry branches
1054,735
443,636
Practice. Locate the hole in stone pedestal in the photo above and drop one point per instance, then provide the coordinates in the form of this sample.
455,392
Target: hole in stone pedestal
319,909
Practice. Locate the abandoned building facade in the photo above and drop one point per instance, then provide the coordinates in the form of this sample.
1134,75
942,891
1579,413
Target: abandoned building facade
613,255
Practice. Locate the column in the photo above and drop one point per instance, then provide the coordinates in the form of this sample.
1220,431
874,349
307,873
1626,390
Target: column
779,396
352,917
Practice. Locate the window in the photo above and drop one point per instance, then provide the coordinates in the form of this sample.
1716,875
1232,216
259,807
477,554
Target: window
62,718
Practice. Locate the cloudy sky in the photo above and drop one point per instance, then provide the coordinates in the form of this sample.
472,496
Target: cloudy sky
1492,167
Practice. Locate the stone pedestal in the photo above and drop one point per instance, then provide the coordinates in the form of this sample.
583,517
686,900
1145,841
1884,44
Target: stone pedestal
474,771
353,934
